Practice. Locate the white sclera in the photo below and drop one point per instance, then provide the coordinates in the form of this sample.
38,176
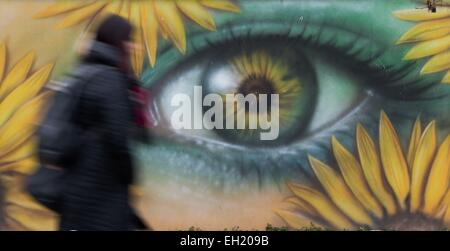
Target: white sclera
339,90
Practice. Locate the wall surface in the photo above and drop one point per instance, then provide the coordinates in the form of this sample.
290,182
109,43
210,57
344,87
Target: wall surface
363,109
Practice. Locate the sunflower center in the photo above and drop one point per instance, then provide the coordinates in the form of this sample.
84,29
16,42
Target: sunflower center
413,222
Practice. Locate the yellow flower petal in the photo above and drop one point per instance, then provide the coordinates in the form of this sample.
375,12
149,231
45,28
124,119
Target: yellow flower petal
413,36
124,10
2,60
17,196
13,179
166,15
438,180
137,53
422,14
221,5
115,7
325,208
446,218
197,13
24,150
422,162
149,30
354,177
294,220
17,75
21,126
13,225
171,23
339,193
414,142
370,163
32,219
394,163
446,79
80,15
437,63
443,210
23,200
24,167
24,92
61,7
19,205
426,31
302,206
428,48
433,35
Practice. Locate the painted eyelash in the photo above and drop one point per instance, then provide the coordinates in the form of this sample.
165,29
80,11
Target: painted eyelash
391,81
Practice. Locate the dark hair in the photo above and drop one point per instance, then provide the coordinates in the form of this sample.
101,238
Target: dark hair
114,31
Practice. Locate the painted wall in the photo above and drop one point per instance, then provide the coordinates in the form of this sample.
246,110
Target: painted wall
364,110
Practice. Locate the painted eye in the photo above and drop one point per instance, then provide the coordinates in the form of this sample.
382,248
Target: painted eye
262,71
307,103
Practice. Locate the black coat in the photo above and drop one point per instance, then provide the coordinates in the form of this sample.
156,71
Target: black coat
96,192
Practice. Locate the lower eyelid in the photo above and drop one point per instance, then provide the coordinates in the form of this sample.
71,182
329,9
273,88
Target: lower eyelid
228,168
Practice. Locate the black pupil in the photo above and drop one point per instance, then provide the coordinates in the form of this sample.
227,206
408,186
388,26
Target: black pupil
257,85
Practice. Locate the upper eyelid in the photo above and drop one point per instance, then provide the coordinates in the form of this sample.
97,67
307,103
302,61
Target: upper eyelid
200,40
303,34
313,31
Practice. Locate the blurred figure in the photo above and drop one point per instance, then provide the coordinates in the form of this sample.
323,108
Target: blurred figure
96,194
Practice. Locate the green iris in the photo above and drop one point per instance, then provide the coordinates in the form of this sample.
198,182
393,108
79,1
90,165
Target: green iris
263,69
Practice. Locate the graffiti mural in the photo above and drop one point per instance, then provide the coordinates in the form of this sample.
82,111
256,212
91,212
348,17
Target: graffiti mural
357,109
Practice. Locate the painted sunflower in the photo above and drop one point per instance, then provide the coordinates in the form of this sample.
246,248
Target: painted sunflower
21,102
149,16
382,189
431,36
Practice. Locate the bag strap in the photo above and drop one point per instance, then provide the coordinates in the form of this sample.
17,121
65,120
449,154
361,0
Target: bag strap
83,75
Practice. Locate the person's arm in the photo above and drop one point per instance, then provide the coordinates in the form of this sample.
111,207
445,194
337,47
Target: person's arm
116,113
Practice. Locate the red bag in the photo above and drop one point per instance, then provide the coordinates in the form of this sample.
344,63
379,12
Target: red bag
144,112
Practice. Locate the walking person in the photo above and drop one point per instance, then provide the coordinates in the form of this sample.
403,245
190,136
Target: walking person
96,190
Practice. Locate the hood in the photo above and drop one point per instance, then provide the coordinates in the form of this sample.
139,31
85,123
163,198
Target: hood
102,53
